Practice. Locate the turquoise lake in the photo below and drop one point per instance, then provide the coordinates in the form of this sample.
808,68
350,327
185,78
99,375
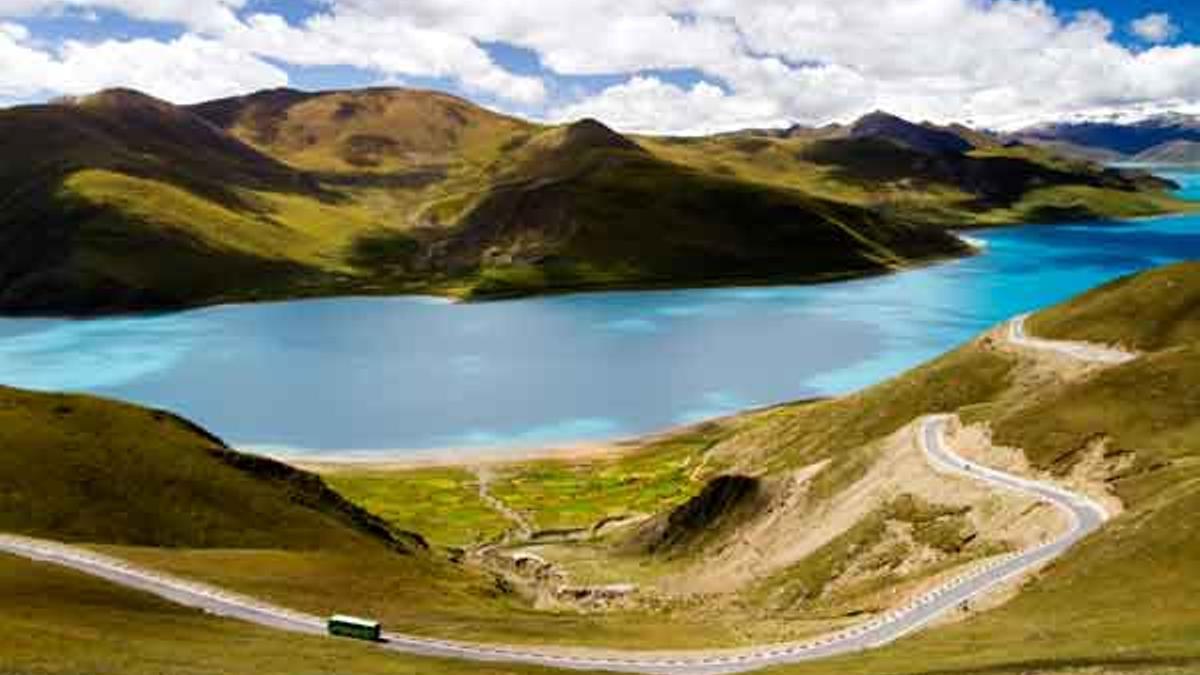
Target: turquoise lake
395,375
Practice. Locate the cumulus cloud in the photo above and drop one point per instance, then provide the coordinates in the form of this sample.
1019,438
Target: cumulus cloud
647,104
992,62
1155,28
390,45
199,14
188,69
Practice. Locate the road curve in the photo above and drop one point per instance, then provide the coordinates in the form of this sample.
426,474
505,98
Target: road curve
1083,514
1083,351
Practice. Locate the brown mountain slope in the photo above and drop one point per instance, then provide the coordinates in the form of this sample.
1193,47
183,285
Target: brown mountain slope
132,203
375,130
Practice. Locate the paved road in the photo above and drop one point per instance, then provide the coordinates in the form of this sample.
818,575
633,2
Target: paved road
1083,351
1084,516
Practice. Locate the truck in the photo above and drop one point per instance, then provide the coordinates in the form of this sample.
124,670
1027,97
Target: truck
340,625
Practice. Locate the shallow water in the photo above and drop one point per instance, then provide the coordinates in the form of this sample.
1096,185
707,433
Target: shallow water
404,374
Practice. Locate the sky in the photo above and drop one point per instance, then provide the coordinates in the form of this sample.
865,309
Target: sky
666,66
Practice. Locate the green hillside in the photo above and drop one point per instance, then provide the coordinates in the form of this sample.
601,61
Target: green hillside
1148,311
58,622
131,203
1119,602
79,468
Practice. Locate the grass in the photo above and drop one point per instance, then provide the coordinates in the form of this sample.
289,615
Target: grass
442,504
79,468
427,597
801,434
807,586
57,622
559,494
373,130
1149,311
564,494
1160,427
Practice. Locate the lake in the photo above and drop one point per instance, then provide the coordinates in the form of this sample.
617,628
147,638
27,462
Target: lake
395,375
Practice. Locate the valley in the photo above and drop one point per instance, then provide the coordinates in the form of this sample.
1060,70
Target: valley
872,524
438,337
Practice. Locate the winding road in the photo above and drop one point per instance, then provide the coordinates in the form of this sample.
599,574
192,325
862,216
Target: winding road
1084,517
1082,351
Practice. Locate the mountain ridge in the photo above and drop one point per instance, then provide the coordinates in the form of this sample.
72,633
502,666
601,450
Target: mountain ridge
134,203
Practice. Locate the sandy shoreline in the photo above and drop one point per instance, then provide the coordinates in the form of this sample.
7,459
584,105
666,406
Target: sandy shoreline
405,460
451,457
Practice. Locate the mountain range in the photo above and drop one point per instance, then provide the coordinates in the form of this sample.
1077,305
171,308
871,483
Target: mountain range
119,201
1161,139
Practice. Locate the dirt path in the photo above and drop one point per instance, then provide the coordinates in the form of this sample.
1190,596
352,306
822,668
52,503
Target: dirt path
524,528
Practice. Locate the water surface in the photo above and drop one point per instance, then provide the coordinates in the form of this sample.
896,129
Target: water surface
402,374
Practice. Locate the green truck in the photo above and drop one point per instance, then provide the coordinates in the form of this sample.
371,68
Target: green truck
353,627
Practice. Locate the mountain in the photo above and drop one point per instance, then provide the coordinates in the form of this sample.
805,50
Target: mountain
79,468
1171,152
371,130
1114,139
923,139
131,203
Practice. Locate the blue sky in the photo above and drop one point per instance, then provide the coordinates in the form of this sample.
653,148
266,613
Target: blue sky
680,66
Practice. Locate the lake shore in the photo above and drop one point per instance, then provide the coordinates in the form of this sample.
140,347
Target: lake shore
399,460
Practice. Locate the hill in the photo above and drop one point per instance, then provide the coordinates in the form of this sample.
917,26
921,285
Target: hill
132,203
79,468
1134,429
376,130
916,137
52,617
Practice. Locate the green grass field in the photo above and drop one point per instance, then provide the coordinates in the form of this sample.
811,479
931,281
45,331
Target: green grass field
57,622
443,504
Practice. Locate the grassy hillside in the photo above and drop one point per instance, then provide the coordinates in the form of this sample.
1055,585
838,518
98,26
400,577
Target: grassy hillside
374,130
57,622
1148,311
79,468
1119,601
131,203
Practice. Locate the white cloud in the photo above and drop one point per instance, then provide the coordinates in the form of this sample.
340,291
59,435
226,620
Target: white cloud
993,62
1156,28
198,14
1002,63
185,70
389,45
645,104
